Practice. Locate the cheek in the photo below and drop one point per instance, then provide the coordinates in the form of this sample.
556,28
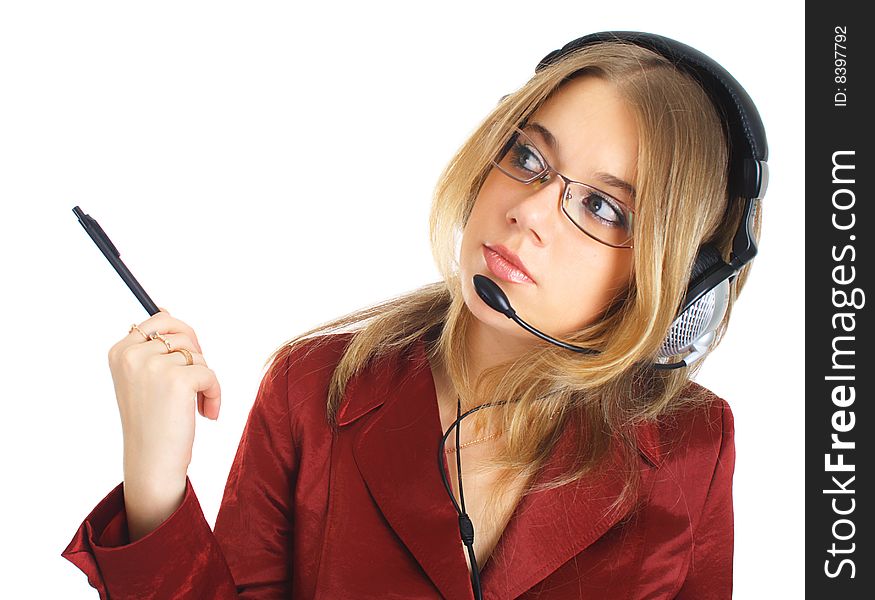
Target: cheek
471,232
622,267
599,277
586,291
475,232
493,198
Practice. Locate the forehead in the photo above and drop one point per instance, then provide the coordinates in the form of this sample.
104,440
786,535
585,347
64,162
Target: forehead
594,128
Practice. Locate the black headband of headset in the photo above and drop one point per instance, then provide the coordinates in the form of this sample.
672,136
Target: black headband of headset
748,150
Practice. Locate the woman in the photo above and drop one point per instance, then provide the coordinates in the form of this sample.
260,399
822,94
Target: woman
603,195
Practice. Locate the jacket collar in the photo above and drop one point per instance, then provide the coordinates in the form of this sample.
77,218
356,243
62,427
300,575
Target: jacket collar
397,452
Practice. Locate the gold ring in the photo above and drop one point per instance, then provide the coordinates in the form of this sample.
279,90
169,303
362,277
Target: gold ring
134,326
188,360
157,336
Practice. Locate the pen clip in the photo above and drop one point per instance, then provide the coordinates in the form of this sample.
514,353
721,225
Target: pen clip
95,230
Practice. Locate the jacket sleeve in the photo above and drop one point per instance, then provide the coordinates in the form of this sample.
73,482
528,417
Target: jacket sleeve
710,572
246,556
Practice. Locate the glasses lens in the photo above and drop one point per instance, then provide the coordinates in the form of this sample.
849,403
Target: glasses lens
598,214
521,160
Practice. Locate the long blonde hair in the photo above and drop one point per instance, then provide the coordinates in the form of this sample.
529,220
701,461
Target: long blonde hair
681,202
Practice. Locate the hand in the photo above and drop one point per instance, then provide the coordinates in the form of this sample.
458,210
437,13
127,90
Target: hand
155,391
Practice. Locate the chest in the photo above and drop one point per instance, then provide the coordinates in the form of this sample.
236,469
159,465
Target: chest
488,501
483,494
372,514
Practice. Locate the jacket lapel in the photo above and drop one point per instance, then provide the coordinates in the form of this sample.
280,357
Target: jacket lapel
549,528
397,452
397,455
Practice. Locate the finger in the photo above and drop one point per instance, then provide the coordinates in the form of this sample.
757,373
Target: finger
164,323
197,359
204,380
156,347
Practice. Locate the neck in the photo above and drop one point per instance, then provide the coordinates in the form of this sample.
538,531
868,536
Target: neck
486,348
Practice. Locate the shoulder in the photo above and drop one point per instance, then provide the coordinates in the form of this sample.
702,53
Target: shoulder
696,456
310,358
703,415
701,434
301,374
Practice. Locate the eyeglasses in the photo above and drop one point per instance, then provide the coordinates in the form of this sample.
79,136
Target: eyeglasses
596,213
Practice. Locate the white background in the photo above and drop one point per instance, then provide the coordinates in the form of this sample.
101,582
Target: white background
266,166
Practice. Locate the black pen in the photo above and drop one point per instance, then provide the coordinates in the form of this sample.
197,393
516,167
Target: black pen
112,255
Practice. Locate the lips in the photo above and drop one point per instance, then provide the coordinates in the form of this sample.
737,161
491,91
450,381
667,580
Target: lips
506,264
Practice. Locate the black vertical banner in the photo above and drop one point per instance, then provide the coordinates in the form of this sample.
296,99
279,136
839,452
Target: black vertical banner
839,232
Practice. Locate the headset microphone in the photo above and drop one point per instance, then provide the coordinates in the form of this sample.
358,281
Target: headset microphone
495,298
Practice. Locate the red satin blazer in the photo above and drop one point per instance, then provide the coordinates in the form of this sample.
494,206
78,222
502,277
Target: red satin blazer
364,514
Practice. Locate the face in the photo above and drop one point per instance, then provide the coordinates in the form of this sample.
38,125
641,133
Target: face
572,278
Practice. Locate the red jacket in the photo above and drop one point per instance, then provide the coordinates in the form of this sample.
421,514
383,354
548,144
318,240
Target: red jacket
364,514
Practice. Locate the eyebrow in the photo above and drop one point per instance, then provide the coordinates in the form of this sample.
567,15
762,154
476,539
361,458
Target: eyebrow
606,178
617,183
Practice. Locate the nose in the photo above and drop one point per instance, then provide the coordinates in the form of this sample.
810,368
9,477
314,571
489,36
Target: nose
537,211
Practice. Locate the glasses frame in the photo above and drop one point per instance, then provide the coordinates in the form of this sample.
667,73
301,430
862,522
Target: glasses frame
548,173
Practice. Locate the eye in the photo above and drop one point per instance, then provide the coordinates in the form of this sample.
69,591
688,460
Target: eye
604,209
526,159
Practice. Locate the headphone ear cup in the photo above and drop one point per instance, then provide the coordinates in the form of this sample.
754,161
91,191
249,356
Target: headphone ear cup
706,259
693,329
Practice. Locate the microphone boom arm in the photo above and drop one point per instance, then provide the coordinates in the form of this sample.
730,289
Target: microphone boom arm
495,299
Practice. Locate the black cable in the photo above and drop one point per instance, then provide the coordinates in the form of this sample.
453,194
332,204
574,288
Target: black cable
459,454
466,527
668,366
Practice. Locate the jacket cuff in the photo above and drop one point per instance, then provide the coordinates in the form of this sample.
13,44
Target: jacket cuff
101,548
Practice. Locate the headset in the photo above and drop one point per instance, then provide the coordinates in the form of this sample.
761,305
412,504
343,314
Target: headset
693,330
707,297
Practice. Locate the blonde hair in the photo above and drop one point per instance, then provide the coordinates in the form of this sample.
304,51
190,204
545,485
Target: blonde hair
681,202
